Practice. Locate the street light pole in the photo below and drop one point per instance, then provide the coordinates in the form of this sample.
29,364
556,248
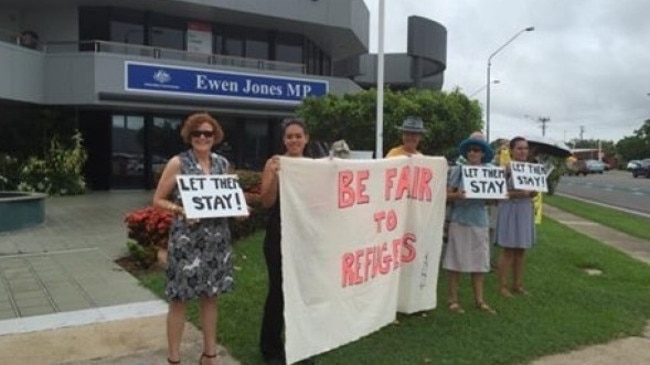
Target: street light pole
489,65
482,88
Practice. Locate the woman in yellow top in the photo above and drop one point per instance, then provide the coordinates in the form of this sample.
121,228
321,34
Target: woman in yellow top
412,130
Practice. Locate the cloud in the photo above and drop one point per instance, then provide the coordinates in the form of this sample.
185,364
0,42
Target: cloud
586,63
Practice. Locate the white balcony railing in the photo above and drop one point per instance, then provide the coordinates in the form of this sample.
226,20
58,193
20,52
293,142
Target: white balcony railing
153,52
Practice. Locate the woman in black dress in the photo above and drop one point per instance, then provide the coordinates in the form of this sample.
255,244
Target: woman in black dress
295,139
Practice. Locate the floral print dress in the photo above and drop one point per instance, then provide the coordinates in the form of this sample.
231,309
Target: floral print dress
200,254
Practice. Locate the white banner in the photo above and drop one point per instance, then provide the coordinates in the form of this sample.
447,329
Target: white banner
529,176
361,240
484,182
211,196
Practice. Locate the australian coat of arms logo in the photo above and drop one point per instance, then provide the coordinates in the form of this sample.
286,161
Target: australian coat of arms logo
162,76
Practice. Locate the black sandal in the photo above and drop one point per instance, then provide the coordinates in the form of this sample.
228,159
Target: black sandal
206,356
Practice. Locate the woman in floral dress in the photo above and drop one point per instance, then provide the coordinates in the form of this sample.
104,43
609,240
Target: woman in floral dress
200,252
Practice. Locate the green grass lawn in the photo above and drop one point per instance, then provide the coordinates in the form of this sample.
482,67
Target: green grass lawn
567,309
631,224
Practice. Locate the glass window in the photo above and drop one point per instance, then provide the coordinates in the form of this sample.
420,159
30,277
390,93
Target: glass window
128,151
218,44
289,48
233,46
256,48
313,59
127,33
167,37
169,40
228,147
164,142
256,142
327,65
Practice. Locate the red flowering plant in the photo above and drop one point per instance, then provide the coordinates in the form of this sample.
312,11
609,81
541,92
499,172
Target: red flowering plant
149,228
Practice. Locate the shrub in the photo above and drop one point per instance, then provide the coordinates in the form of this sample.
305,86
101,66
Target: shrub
9,172
146,256
59,173
149,230
149,227
249,181
560,168
256,220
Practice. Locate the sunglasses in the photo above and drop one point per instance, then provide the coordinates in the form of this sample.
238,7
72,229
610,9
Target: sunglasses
206,134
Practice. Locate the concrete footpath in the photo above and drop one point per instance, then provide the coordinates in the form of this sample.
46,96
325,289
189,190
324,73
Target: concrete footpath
63,301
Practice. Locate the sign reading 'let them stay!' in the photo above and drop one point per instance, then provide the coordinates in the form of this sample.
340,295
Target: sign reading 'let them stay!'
211,196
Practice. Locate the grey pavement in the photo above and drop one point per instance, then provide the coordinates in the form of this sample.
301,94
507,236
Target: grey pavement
64,301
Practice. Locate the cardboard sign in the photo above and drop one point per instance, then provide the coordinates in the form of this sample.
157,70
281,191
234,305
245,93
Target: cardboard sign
361,240
484,182
529,176
211,196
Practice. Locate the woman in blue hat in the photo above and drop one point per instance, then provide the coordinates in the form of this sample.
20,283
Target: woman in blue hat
468,247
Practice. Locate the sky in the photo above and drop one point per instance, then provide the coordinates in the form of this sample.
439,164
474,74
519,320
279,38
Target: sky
586,64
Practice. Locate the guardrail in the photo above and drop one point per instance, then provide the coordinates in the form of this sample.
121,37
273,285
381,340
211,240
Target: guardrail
170,54
152,52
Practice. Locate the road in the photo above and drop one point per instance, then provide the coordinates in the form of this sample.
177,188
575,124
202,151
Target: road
617,188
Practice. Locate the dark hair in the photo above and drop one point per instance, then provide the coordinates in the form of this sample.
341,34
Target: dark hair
514,141
287,122
312,149
195,120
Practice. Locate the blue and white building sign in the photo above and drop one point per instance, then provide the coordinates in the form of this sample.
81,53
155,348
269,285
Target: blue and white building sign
166,79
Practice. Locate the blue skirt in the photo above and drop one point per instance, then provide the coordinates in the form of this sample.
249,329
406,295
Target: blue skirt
516,223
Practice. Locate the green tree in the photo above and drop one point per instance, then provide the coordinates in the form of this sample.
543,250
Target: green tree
636,146
644,132
632,148
449,118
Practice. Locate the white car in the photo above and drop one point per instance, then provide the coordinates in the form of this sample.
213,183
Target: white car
633,164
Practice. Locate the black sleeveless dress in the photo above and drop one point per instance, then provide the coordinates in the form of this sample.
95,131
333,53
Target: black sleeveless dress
271,339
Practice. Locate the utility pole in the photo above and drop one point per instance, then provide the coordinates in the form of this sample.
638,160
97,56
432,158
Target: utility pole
543,120
582,132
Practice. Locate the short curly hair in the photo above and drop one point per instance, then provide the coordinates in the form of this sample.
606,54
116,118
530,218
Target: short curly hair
192,123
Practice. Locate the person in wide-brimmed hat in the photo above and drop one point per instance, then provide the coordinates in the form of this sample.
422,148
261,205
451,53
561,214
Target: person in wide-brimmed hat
468,247
412,129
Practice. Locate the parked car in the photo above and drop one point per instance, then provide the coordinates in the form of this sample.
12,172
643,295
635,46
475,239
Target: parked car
642,168
595,166
578,168
632,164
